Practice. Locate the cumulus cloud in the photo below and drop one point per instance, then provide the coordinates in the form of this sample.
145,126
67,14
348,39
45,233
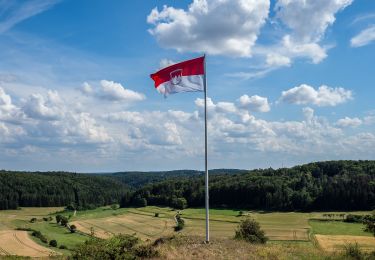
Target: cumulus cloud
254,103
38,107
116,92
365,37
307,22
349,122
226,27
309,19
323,96
86,89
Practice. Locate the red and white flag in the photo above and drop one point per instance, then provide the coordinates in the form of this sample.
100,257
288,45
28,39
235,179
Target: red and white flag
187,76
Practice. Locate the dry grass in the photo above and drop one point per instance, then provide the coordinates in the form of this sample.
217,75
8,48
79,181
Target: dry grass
19,243
192,247
338,242
144,226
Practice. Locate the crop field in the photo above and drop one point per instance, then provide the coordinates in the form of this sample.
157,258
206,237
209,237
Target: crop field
281,227
335,235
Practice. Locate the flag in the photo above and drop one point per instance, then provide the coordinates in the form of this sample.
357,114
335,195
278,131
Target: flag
187,76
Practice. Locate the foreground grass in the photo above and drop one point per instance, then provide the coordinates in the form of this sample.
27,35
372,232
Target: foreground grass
192,247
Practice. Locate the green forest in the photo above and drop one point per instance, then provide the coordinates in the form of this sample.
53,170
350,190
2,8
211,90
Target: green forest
26,189
330,185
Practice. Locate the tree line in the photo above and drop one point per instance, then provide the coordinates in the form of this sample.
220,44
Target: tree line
36,189
331,185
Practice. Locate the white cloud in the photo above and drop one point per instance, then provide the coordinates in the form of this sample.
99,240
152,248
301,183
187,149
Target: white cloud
165,63
14,12
365,37
306,23
309,19
86,89
275,59
349,122
323,96
116,92
254,103
219,27
39,108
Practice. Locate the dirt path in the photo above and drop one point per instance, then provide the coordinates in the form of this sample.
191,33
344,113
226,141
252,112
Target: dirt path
14,242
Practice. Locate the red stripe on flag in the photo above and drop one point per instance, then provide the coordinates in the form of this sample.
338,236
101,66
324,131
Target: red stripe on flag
188,68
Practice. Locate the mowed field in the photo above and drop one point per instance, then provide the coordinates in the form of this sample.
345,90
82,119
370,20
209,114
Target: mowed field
16,242
335,235
281,227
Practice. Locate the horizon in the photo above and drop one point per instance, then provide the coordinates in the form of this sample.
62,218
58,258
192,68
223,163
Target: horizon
76,92
172,170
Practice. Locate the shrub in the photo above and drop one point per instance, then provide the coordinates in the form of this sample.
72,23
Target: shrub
180,223
353,251
64,221
156,215
33,220
114,206
146,251
58,218
369,222
117,247
63,247
354,218
179,203
72,228
249,230
240,213
36,233
53,243
45,219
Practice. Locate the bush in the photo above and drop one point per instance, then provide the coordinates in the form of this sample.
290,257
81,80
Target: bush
58,218
39,235
63,247
72,228
369,222
146,251
180,223
353,251
354,218
33,220
64,221
117,247
179,203
156,215
249,230
53,243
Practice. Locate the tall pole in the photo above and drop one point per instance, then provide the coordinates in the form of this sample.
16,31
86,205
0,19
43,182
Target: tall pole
205,154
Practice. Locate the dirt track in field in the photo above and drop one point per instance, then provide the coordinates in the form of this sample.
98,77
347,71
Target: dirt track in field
14,242
338,242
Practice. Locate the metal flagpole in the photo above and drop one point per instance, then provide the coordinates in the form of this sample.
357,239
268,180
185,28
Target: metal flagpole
205,154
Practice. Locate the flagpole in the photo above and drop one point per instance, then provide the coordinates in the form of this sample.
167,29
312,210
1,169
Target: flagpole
205,154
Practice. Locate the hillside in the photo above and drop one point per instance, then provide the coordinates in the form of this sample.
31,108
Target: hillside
35,189
138,179
331,185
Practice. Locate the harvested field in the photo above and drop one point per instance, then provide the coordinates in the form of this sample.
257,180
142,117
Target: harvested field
14,242
144,226
338,242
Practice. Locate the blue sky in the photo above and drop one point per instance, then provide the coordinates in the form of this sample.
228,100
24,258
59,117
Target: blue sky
289,82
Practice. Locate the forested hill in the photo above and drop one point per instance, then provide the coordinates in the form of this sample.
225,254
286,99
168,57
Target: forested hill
138,179
331,185
58,189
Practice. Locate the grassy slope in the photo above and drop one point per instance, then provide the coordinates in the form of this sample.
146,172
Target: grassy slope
278,225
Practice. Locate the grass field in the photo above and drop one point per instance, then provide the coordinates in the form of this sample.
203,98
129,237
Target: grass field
294,229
